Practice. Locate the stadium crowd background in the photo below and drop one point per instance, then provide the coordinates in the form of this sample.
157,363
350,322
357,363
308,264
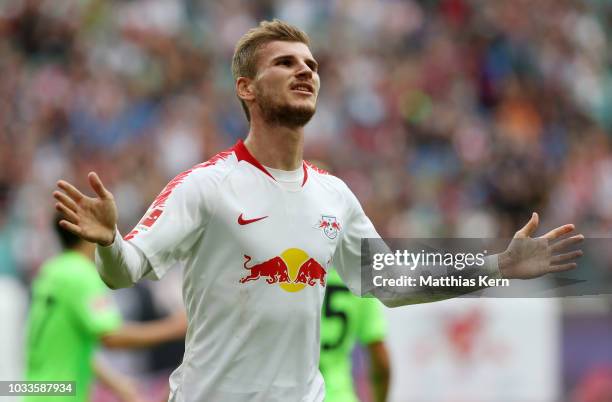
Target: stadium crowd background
446,118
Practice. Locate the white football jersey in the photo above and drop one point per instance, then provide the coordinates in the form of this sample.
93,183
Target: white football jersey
256,254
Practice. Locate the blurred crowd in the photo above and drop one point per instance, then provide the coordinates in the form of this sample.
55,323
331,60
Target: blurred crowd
445,117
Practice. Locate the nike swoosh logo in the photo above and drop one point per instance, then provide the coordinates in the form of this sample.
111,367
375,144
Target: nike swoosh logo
242,221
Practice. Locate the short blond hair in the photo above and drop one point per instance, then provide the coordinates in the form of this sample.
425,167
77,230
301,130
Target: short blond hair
244,61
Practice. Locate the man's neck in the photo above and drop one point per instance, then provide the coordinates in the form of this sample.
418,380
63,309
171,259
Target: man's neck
276,147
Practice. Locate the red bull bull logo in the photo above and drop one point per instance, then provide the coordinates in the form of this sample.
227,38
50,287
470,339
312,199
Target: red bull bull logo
293,270
310,272
274,270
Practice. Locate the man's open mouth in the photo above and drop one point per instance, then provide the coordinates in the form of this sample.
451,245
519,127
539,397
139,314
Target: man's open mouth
303,87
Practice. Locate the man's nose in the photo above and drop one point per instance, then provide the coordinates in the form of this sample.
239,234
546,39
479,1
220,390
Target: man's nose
304,71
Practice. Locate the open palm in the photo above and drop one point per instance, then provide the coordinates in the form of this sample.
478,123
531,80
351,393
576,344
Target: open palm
92,218
528,257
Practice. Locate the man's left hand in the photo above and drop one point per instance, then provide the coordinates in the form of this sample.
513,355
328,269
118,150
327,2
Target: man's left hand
528,257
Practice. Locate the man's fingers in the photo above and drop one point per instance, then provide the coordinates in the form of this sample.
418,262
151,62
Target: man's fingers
565,243
71,190
71,227
530,227
562,267
558,232
64,199
68,214
556,259
97,185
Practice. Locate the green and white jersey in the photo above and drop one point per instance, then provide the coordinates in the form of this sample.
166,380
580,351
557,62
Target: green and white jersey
71,309
346,320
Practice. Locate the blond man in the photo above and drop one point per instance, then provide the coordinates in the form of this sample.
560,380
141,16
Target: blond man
256,229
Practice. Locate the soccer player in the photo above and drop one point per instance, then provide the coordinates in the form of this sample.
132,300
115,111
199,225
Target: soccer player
71,313
346,320
256,229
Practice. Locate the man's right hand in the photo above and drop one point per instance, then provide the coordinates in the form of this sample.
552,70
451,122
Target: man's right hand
92,219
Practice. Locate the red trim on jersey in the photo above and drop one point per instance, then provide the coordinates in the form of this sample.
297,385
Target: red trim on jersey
243,154
305,173
160,201
130,235
221,156
316,168
163,196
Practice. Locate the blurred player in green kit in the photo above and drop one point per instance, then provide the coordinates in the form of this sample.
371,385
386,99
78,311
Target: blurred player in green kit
72,312
346,320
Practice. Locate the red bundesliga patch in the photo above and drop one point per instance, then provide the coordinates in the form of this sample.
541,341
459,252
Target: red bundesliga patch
147,221
152,218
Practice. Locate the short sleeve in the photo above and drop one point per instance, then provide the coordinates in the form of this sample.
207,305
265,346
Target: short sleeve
94,306
372,326
347,258
173,223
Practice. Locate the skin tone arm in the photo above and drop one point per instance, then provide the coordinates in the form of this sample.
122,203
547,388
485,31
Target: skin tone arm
141,335
125,389
380,371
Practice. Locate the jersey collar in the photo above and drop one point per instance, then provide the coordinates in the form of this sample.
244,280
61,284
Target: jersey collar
243,154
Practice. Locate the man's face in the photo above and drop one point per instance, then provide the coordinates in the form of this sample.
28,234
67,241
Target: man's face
287,83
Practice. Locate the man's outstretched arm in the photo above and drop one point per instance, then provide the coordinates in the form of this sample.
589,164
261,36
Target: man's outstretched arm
121,264
94,219
526,257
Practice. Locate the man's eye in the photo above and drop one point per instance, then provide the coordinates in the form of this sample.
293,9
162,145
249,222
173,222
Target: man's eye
284,63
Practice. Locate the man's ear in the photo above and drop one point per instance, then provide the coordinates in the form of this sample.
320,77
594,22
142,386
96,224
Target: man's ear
244,88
